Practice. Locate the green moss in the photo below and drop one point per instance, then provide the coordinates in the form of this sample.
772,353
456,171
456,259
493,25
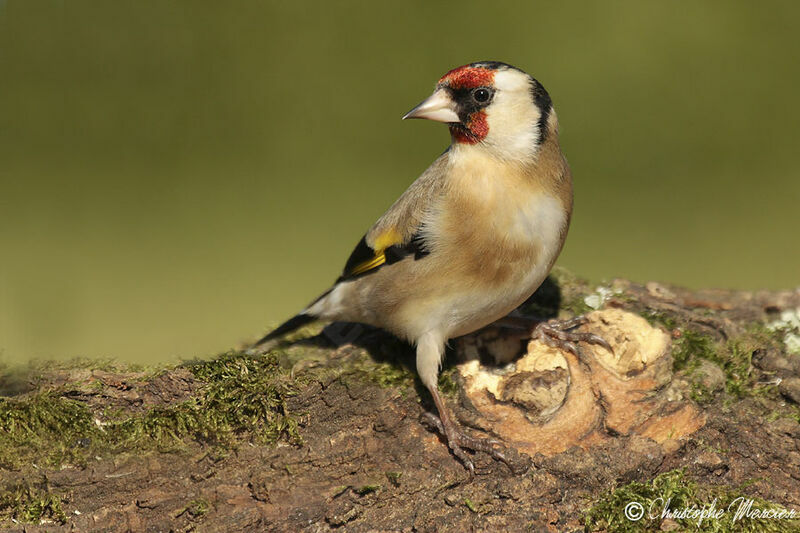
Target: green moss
339,490
394,478
367,489
792,412
700,393
659,318
248,394
385,374
389,375
25,503
447,383
576,304
608,513
734,357
242,396
45,429
165,428
689,347
736,361
196,509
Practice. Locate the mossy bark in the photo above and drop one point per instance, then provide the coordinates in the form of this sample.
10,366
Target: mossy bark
328,431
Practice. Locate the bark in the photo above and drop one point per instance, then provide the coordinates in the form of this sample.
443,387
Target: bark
574,427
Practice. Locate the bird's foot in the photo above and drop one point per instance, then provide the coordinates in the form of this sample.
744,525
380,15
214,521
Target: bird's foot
458,441
558,334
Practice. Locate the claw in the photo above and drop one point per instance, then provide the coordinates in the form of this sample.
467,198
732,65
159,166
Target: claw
463,457
458,441
558,334
574,349
600,341
435,422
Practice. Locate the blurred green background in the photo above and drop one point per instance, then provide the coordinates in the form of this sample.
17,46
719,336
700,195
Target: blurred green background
177,175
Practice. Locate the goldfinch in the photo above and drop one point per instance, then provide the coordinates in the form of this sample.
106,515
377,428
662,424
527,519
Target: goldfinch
472,238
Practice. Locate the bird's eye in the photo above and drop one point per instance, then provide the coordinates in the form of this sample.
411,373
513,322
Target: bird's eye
481,95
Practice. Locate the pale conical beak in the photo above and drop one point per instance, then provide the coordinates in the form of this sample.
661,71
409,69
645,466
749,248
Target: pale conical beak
439,107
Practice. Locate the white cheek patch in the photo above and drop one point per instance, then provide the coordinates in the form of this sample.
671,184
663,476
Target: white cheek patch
513,119
513,136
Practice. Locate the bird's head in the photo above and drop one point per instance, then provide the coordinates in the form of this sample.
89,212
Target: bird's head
491,106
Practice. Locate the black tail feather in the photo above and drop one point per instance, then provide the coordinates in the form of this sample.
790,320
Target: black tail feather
290,325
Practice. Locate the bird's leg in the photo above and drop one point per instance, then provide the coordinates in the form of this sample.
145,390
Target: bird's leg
457,440
430,349
558,334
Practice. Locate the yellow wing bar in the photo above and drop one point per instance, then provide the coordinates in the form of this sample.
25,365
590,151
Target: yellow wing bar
375,262
365,258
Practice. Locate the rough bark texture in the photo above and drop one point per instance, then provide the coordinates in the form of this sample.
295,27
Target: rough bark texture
368,462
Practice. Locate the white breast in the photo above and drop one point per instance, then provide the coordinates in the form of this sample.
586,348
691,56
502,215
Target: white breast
538,221
541,219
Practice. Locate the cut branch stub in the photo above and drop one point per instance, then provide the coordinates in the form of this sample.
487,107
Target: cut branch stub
549,400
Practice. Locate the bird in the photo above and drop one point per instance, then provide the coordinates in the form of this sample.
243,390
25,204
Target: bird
471,239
